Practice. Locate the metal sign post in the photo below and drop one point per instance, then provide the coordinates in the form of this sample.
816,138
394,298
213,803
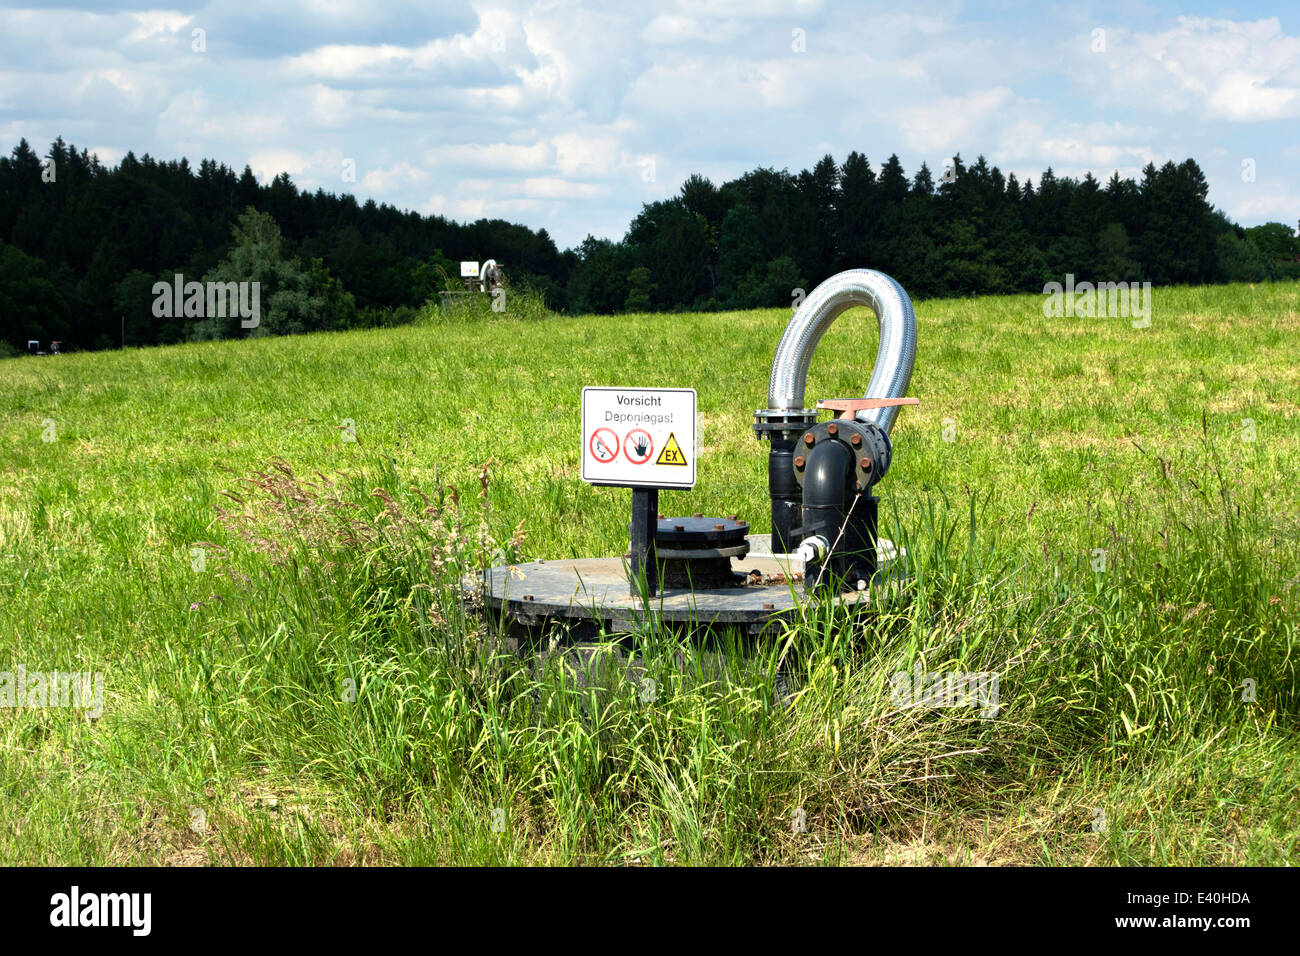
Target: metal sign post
643,439
642,561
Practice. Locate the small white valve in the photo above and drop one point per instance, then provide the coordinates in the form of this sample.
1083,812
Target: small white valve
813,549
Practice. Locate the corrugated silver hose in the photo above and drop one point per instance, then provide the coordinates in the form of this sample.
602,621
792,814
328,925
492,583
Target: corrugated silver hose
894,358
785,418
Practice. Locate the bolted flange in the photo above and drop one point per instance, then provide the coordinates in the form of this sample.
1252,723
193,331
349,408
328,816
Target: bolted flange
870,449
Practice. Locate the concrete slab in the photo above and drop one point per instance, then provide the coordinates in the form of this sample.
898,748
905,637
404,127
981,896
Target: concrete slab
596,590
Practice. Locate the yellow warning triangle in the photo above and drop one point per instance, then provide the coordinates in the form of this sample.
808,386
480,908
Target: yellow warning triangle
672,453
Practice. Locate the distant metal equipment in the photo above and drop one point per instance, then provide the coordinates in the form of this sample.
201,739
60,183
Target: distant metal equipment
479,280
492,277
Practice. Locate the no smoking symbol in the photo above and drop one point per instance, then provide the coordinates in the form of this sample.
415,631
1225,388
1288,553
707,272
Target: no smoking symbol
638,446
604,445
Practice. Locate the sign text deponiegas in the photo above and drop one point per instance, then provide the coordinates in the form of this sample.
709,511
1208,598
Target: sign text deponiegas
639,437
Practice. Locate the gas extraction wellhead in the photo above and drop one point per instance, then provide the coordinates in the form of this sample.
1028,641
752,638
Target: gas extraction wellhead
709,571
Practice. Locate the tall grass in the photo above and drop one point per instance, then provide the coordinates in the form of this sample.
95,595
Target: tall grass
368,673
324,692
518,301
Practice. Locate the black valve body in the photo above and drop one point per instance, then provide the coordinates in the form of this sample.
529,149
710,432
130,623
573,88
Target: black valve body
836,463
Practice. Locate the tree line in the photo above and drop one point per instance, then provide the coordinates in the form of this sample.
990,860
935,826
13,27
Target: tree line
752,241
84,245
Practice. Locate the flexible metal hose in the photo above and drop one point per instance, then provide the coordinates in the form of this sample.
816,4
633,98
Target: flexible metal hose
894,358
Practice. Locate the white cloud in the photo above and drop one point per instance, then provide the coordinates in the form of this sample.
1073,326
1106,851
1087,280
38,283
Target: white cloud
385,180
152,23
1229,70
586,154
270,163
123,80
537,187
1250,97
953,121
108,155
192,121
494,156
1278,205
338,62
1076,148
549,187
547,110
671,29
458,207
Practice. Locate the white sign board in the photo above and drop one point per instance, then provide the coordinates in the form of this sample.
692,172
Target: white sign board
469,270
639,437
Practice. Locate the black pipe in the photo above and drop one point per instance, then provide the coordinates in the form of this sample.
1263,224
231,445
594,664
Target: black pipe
827,488
832,510
787,496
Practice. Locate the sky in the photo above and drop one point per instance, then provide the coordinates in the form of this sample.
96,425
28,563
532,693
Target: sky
570,115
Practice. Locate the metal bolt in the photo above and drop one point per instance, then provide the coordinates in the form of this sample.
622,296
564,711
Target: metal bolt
698,514
865,462
719,527
769,607
833,429
679,527
732,518
661,517
800,462
528,597
855,440
808,438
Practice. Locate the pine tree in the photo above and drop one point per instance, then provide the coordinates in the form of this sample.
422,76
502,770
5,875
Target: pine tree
856,212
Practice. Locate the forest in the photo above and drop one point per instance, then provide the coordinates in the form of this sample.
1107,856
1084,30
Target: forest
83,245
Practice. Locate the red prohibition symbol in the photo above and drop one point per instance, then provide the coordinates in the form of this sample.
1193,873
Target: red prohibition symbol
638,446
603,445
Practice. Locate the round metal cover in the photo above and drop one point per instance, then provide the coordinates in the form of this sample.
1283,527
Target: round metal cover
701,530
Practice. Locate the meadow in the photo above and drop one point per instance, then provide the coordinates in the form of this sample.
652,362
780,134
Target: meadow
260,544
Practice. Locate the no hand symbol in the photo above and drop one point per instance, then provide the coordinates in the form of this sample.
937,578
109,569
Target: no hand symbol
604,445
638,446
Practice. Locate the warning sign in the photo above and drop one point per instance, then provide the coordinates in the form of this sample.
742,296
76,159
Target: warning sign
672,453
638,446
603,445
639,437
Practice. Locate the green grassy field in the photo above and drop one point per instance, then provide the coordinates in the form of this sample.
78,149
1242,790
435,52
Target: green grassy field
289,677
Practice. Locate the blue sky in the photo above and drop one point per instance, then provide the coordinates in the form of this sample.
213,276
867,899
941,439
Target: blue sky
569,115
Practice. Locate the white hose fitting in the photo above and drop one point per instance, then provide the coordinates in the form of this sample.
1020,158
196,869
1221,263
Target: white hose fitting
813,550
